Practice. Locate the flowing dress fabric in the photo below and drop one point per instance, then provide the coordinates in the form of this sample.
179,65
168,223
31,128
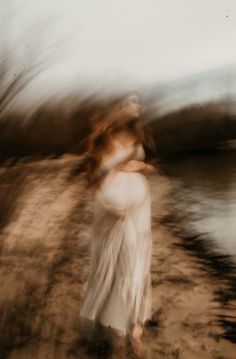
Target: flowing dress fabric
119,285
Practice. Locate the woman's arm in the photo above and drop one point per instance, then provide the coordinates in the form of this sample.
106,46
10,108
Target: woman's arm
137,166
149,168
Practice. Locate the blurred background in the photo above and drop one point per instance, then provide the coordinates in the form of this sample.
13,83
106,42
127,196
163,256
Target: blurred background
60,63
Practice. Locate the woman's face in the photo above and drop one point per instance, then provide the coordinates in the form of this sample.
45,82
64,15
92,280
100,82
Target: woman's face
132,107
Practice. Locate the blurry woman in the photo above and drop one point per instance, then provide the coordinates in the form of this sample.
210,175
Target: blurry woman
118,292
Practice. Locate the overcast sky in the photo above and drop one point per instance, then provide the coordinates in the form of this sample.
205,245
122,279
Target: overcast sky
123,40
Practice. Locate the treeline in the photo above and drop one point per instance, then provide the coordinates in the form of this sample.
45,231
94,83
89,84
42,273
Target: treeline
196,128
55,128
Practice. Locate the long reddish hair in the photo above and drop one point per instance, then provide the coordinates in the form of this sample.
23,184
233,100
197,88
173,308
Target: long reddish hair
104,125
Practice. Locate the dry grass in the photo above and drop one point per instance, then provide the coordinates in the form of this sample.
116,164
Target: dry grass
45,235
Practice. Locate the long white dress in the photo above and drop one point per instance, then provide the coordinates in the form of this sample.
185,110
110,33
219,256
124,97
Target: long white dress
119,285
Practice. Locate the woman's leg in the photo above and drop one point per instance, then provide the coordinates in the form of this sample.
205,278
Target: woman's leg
137,332
137,345
121,333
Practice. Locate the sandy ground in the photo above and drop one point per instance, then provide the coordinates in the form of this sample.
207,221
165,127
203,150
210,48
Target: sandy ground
45,234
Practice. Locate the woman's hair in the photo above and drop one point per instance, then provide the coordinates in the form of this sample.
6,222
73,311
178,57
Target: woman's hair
104,125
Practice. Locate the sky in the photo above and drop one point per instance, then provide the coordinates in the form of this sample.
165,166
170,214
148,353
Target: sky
113,43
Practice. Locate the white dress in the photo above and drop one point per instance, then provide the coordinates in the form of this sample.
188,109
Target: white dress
119,285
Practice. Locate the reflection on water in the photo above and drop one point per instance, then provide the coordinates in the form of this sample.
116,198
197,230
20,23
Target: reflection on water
210,194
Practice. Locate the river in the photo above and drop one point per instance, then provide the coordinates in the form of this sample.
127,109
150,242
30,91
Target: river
208,193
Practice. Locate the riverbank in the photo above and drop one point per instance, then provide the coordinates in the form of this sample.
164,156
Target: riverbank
45,233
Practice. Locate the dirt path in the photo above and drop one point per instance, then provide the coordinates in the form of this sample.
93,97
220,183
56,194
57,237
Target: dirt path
45,233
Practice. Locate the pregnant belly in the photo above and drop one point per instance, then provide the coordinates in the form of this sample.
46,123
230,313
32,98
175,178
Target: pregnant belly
125,189
132,184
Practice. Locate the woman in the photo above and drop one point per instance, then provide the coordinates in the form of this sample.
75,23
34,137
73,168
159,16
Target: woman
118,293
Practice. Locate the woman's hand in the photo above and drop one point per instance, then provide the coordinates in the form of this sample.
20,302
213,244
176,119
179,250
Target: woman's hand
137,166
149,168
132,166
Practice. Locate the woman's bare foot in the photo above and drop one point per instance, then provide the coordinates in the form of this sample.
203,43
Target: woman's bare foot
119,345
136,342
119,339
121,333
137,333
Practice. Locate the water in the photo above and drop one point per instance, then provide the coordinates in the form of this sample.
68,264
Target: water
209,193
